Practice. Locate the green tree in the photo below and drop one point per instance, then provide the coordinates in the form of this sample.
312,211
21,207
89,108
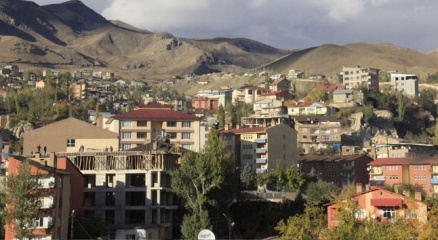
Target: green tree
221,116
234,119
248,175
22,193
309,225
192,224
293,179
321,192
402,100
200,174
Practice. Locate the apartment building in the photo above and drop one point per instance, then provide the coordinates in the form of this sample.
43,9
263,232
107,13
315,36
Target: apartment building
80,90
148,121
356,77
394,171
310,108
405,83
223,96
340,170
130,190
58,186
205,103
381,205
248,94
282,95
316,132
262,147
280,85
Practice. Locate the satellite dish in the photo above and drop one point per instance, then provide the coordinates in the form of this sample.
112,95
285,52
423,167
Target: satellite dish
206,235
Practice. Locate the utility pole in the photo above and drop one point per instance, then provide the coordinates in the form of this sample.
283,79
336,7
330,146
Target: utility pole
72,216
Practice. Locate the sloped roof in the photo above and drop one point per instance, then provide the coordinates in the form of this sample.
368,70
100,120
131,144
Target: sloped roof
404,161
337,158
243,130
75,128
163,114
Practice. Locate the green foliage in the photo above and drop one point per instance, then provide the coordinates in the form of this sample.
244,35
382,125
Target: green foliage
193,224
309,225
321,192
426,99
248,175
316,95
22,191
221,116
432,78
402,100
289,177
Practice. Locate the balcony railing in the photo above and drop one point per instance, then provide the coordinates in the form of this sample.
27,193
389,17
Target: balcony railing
260,140
261,160
434,180
261,170
261,150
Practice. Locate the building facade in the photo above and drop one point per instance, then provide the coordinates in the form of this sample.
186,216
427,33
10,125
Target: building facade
262,147
150,120
405,83
356,77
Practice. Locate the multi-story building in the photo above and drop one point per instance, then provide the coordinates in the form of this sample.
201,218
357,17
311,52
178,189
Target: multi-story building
69,135
262,147
403,149
248,94
341,170
280,85
282,95
267,106
356,77
58,186
316,132
310,108
223,96
80,90
130,190
205,103
382,206
148,121
405,83
394,171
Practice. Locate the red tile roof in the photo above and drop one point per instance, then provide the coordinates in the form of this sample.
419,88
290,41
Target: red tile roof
386,202
404,161
329,87
162,114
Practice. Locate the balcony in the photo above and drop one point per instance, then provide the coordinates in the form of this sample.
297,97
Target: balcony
261,160
261,150
434,180
261,170
260,140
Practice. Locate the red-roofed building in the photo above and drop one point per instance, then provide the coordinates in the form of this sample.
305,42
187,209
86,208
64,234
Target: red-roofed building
150,120
382,206
205,103
416,171
262,147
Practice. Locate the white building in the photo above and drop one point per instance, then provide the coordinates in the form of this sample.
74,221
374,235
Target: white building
405,83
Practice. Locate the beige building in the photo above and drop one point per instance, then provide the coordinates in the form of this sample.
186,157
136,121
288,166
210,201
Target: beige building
80,90
151,120
310,108
262,147
405,83
356,77
248,94
69,135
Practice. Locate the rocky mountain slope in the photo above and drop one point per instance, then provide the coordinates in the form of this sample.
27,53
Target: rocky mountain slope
71,35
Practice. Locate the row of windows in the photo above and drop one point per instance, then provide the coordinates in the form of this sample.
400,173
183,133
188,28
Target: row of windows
420,177
247,146
247,136
391,177
144,123
391,168
420,167
128,135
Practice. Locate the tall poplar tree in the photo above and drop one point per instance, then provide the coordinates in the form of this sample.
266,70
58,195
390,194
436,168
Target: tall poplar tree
221,116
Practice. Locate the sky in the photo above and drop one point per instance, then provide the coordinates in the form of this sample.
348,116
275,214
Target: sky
287,24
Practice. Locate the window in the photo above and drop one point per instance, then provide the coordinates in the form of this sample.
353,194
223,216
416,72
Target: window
38,222
171,124
247,146
126,135
125,146
171,135
71,142
142,123
185,135
186,146
185,124
141,135
247,156
388,212
126,123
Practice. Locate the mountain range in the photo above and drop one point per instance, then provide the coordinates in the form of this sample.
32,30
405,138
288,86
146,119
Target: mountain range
70,35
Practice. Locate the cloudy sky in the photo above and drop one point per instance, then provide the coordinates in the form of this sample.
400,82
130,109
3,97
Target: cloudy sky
284,24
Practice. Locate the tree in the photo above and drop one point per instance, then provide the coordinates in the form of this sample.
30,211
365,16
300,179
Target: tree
401,106
321,192
199,175
22,196
293,179
221,116
248,176
192,224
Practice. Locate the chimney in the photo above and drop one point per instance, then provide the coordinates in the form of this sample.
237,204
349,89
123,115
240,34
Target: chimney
359,187
418,196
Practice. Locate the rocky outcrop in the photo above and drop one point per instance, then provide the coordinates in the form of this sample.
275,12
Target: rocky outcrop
359,130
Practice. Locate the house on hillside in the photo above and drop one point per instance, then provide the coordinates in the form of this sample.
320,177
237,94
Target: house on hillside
381,206
310,108
356,77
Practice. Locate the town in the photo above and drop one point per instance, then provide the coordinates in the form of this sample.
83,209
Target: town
113,158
